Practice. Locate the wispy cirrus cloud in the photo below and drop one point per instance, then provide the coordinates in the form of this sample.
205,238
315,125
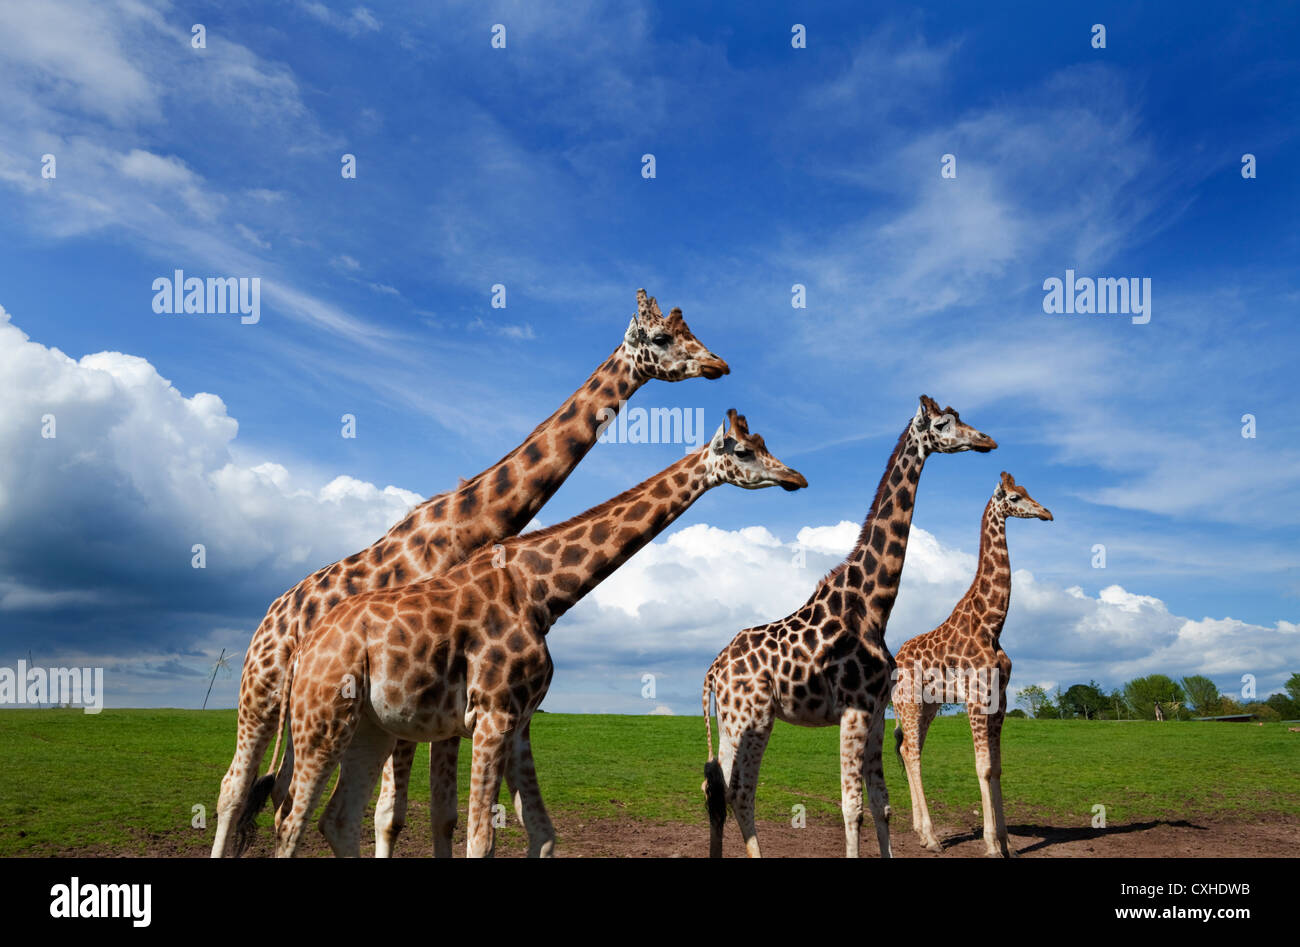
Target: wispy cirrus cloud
356,21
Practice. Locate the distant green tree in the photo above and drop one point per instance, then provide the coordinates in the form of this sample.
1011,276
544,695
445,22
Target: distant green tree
1016,712
1292,686
1036,701
1202,695
1083,700
1263,711
1287,708
1143,693
1116,709
1229,706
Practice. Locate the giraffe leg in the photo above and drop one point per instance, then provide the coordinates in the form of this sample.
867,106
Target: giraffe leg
359,770
995,785
444,793
521,777
918,721
743,785
987,773
492,740
258,719
853,744
996,794
874,773
390,810
905,719
283,775
309,783
726,760
322,746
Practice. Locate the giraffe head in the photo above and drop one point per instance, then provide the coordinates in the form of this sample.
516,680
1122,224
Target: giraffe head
736,456
942,431
665,348
1011,499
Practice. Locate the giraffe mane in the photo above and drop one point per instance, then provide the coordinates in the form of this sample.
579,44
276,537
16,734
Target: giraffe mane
865,533
596,512
593,513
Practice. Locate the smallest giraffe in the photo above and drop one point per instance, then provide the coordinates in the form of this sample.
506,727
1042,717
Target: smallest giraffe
962,661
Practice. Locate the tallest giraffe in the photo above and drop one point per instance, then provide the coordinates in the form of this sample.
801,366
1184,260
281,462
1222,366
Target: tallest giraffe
438,533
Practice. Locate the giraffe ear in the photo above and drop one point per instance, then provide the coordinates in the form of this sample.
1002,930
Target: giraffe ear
635,333
719,437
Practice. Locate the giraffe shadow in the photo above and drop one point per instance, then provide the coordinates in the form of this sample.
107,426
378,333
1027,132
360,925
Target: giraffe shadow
1049,835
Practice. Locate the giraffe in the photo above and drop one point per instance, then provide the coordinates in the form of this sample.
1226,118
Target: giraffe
962,659
827,662
464,653
437,534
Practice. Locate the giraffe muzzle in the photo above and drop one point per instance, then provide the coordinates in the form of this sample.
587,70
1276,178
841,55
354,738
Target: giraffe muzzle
794,481
712,367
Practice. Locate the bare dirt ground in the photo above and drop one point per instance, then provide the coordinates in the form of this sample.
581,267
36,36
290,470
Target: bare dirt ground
1188,838
1145,839
1269,837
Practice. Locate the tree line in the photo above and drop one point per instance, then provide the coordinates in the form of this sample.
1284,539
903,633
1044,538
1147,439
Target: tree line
1194,696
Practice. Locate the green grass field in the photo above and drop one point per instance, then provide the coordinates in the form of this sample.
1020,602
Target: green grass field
71,781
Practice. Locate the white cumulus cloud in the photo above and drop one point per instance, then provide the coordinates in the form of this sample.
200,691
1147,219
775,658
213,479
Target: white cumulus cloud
109,508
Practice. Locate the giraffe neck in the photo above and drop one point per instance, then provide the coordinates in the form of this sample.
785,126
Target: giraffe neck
557,566
993,576
502,499
869,577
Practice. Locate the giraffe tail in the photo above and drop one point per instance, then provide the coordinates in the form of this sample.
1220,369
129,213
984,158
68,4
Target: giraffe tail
898,739
261,791
715,787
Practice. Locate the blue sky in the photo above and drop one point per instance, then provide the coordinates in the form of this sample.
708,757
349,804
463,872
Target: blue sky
775,166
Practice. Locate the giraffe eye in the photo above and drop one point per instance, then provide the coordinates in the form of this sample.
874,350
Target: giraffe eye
661,340
940,425
1014,499
741,451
